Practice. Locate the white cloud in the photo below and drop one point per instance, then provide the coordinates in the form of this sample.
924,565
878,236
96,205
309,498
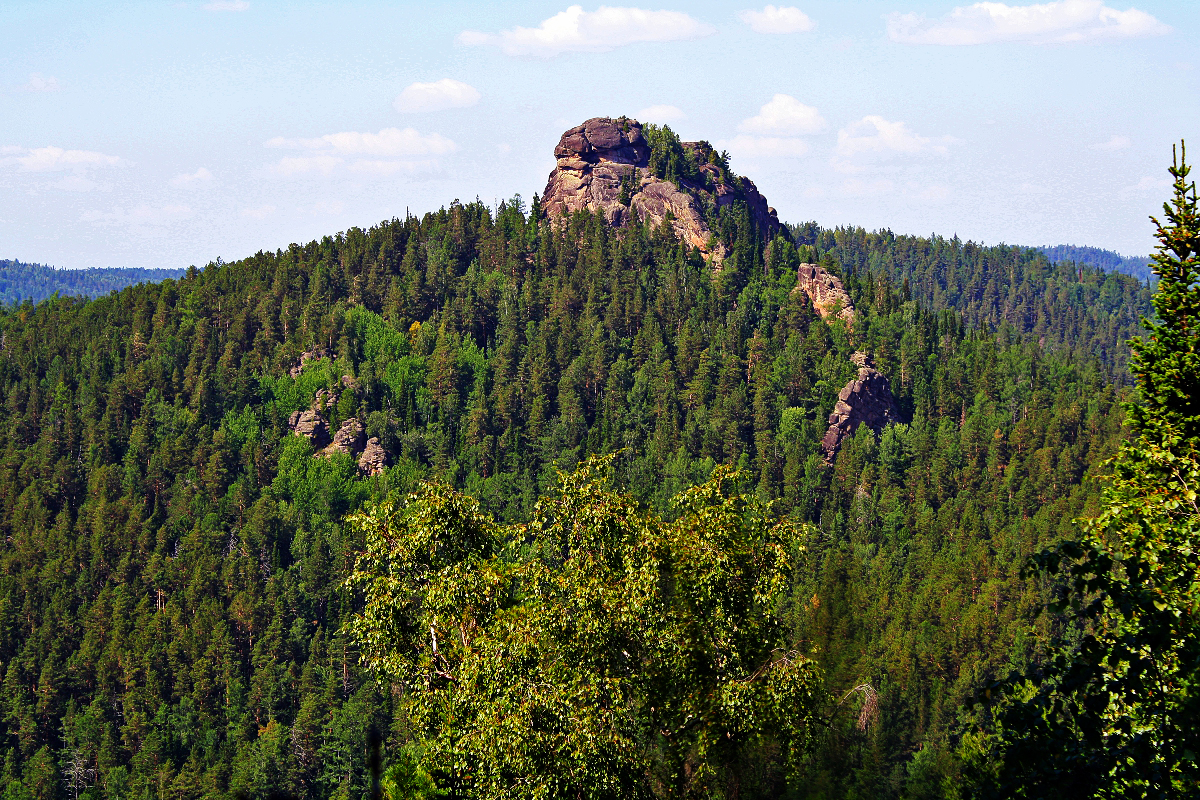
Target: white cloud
436,96
579,31
1113,144
766,147
1150,183
386,169
784,115
388,142
227,5
303,165
875,138
261,212
45,159
660,114
784,19
139,216
39,83
201,175
1048,23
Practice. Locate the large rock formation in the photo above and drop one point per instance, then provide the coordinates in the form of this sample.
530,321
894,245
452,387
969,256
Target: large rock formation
866,400
826,291
604,164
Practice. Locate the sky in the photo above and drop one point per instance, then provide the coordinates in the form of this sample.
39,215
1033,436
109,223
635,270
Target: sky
164,134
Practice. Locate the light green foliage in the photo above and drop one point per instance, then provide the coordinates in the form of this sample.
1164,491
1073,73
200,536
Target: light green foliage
597,651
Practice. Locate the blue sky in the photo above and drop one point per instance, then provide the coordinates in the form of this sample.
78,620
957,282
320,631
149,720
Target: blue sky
168,134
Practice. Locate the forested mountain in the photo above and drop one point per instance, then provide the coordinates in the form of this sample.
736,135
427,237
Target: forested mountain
21,282
1137,266
172,607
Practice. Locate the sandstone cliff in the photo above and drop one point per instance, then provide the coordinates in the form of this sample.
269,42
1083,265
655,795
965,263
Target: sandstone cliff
866,400
826,291
606,164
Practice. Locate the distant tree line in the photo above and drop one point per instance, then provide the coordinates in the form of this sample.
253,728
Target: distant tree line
21,282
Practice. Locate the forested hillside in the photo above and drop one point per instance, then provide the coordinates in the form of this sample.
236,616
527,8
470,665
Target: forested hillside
171,610
20,282
1137,266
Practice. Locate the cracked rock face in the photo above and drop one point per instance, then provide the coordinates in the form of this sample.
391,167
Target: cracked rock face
311,425
349,438
374,458
603,165
826,291
866,400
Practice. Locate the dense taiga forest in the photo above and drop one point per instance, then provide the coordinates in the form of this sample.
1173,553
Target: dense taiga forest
175,615
21,282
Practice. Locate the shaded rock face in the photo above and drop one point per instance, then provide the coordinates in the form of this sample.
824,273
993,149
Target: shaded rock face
826,291
350,438
603,165
311,425
374,458
866,400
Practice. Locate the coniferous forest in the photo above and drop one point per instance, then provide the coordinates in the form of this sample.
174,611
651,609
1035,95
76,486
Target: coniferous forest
601,494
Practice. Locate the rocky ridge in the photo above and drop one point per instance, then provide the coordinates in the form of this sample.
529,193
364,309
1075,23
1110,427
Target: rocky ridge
604,165
865,400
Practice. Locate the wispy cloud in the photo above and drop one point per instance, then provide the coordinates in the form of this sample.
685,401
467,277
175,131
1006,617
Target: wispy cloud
660,114
1057,22
139,216
766,147
227,5
1113,144
874,138
388,142
259,212
201,175
784,115
782,19
577,31
46,159
436,96
395,151
42,83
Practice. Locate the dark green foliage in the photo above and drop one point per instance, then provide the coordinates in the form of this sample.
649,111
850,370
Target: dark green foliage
1111,711
1083,310
33,283
168,610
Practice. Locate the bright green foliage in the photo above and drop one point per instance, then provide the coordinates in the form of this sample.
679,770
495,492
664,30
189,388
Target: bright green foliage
597,651
1115,715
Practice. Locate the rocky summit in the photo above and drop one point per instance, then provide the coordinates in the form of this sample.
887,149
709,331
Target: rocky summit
612,166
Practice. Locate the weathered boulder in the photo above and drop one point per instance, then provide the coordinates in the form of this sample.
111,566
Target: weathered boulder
604,165
374,458
311,425
866,400
349,438
826,291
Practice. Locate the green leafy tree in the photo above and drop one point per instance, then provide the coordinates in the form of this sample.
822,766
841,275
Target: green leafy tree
1115,715
597,651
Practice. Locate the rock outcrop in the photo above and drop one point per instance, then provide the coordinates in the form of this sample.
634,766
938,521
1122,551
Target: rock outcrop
374,458
309,355
604,165
826,291
350,438
866,400
310,424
